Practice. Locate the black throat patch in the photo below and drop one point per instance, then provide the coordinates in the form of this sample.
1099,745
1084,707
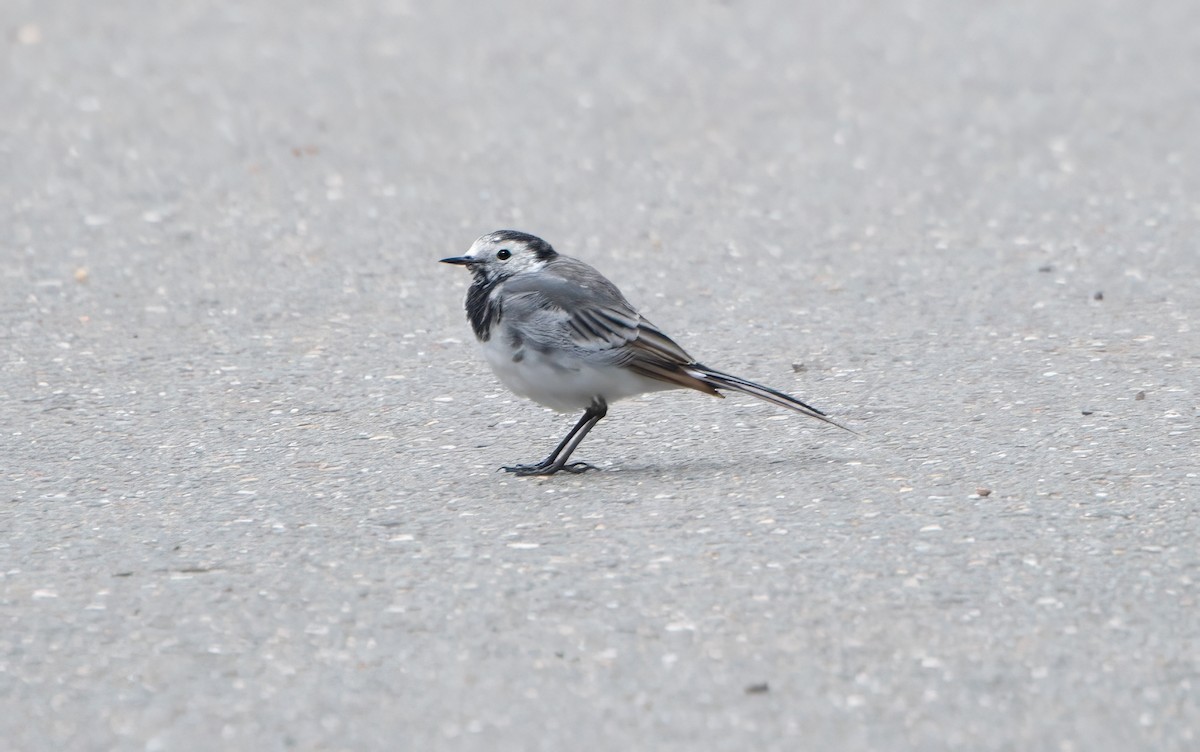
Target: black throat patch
482,310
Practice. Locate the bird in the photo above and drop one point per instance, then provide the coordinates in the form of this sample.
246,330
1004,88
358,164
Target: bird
558,332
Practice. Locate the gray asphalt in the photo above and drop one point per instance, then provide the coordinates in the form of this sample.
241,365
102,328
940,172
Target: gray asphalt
249,452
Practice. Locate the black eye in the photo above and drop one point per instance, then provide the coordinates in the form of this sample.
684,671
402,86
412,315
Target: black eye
503,254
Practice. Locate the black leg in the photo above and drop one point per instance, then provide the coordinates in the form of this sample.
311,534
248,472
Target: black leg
558,458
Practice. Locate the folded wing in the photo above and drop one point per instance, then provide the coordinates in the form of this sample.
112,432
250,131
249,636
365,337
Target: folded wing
569,304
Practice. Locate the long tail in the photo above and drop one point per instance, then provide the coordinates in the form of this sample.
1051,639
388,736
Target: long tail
719,380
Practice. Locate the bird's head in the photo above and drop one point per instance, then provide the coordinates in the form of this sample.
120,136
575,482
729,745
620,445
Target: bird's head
501,254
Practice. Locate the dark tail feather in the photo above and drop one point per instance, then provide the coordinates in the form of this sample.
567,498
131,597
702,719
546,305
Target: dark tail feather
720,380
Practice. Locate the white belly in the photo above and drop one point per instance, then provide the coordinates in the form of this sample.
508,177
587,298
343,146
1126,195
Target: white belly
560,382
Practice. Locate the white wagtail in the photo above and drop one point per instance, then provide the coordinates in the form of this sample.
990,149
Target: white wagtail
556,331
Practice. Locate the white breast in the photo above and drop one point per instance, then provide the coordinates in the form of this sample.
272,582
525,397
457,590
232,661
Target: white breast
562,382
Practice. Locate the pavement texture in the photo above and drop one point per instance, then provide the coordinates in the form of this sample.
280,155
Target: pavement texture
249,490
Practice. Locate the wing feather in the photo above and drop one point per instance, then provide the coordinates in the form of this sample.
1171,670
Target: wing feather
570,304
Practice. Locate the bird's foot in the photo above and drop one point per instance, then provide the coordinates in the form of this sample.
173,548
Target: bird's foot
547,468
536,469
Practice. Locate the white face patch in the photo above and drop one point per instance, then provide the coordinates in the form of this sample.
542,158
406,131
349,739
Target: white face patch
500,255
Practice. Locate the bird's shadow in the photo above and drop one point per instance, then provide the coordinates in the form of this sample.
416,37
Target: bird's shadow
705,468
